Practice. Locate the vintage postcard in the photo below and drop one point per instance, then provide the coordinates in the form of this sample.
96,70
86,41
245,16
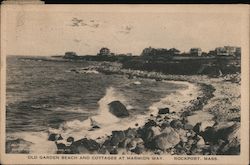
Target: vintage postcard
124,84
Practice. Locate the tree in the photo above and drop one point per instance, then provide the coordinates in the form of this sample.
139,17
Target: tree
154,52
104,52
173,51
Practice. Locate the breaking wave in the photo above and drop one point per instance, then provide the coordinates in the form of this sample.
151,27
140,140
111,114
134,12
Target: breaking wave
107,121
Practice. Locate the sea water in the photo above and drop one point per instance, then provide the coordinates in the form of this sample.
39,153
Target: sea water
44,96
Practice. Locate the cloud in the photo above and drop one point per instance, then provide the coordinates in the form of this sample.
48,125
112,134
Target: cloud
76,22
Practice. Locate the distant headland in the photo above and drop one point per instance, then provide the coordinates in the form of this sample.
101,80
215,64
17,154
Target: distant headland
221,60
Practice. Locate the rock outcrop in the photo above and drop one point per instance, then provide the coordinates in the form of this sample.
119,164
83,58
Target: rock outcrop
118,109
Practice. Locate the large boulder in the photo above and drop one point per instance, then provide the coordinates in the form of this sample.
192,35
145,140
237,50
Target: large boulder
209,135
118,109
150,133
228,131
84,146
222,131
156,130
167,139
131,133
61,148
117,137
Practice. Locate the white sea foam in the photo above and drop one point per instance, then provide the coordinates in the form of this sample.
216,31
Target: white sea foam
108,122
177,100
104,118
39,140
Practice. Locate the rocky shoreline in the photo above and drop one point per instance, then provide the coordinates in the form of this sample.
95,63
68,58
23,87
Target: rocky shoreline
167,133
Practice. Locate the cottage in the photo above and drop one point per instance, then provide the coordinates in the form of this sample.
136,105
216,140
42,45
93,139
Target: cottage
228,51
70,55
195,51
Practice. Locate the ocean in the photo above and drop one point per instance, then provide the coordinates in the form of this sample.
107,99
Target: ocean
44,96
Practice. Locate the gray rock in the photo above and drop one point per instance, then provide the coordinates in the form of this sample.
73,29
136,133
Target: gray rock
227,132
114,151
139,149
118,109
150,123
131,133
85,146
209,135
188,127
224,125
165,124
155,130
176,124
235,132
103,150
151,132
61,148
163,111
117,137
124,143
54,137
82,150
168,139
197,128
231,136
134,142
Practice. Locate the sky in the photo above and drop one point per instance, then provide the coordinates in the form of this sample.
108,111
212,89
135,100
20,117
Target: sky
53,32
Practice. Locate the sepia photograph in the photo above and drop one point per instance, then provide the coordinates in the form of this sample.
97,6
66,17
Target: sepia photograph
146,82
